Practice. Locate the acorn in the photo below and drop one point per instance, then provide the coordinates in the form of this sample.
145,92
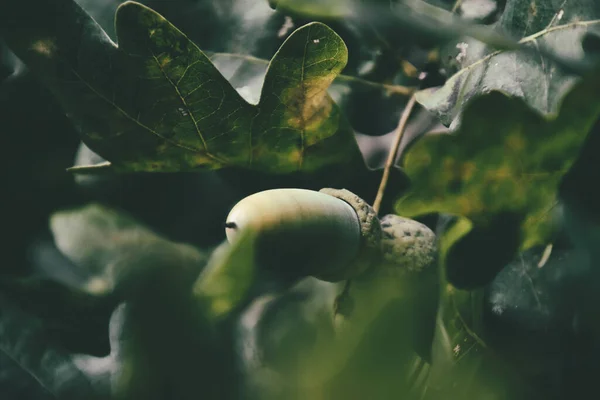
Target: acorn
332,235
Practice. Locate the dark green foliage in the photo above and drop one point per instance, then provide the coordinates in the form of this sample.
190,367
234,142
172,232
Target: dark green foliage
530,76
126,295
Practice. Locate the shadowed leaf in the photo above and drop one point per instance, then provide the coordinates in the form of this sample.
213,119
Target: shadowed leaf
73,319
458,350
558,27
464,365
32,365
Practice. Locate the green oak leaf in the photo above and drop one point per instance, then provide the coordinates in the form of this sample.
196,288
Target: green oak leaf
556,26
505,159
155,102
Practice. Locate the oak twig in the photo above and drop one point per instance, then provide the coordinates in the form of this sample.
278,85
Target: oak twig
393,154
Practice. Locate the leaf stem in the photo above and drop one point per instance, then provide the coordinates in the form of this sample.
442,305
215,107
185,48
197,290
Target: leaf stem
399,89
390,88
393,154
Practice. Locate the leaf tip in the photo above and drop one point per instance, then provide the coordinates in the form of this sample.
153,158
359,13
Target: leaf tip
315,31
129,13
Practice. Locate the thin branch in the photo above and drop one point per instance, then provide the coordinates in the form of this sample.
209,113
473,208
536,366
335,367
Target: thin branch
393,152
399,89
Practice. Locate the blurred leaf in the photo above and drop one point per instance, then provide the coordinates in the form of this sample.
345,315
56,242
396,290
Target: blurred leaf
103,371
31,365
156,102
283,337
505,160
304,341
478,10
94,238
225,284
558,27
315,8
169,347
293,343
76,320
111,248
378,335
88,234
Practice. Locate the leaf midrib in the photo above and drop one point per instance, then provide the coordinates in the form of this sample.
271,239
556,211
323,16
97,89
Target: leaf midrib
124,113
302,104
189,111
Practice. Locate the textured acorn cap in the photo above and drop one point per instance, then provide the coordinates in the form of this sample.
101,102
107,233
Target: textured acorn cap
407,244
370,230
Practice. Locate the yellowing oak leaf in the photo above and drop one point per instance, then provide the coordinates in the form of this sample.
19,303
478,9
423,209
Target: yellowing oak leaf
155,102
504,159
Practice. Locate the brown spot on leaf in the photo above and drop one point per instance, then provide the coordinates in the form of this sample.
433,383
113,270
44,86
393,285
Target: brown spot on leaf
533,9
46,47
515,143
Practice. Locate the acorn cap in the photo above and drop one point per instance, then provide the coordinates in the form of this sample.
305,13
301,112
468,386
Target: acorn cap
407,245
370,231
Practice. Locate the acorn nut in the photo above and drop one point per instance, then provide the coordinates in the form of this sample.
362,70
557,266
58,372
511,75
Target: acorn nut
332,235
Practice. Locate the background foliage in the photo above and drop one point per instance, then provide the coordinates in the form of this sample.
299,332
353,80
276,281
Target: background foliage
114,283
